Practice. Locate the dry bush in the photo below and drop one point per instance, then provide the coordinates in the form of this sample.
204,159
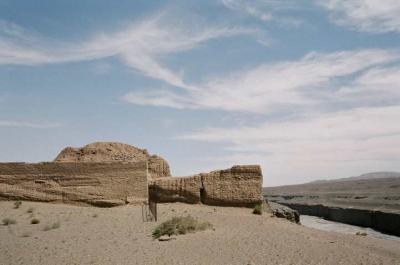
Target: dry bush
180,226
26,234
30,210
361,234
52,226
35,221
17,204
258,209
55,225
8,221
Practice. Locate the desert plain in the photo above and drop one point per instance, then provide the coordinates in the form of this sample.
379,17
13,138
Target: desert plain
90,235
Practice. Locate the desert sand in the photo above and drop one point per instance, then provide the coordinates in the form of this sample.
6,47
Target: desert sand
89,235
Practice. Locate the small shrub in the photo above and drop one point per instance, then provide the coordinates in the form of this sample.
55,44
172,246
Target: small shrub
95,215
180,226
35,221
30,210
361,234
26,234
258,209
8,221
47,228
52,226
55,225
17,204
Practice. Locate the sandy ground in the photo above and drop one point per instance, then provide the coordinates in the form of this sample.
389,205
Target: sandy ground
89,235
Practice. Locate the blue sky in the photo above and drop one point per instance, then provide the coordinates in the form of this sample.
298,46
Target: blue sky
307,89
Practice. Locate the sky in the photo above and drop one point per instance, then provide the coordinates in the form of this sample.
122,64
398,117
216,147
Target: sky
307,89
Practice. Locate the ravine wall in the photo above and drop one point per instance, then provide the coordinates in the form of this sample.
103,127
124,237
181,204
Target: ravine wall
382,221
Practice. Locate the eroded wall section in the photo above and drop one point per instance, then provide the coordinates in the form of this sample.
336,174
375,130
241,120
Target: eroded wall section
237,186
184,189
101,184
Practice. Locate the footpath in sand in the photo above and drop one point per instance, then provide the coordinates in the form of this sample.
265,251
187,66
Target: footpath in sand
88,235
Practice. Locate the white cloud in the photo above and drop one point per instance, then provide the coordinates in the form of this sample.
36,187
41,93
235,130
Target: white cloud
282,86
365,15
27,124
249,7
267,10
140,46
360,139
160,98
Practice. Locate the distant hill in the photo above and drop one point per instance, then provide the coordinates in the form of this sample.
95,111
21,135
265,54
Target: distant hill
372,175
371,191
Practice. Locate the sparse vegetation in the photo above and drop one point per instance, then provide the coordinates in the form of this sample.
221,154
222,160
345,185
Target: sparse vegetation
30,210
26,234
55,225
180,226
361,234
95,215
35,221
52,226
8,221
17,204
258,209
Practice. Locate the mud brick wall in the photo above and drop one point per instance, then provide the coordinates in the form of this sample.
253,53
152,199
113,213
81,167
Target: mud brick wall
96,183
185,189
237,186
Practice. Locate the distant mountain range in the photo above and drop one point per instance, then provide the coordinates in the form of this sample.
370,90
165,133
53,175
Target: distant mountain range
372,175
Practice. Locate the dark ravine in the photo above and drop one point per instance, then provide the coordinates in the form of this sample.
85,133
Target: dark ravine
385,222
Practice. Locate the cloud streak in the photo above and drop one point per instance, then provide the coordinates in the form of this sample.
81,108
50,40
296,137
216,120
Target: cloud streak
365,15
315,79
27,124
140,46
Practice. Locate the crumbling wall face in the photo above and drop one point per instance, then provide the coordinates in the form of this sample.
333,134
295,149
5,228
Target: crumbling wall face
185,189
158,167
115,152
237,186
101,184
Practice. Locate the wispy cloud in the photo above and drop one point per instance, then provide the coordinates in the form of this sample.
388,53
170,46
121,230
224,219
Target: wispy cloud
365,15
140,46
315,79
268,10
27,124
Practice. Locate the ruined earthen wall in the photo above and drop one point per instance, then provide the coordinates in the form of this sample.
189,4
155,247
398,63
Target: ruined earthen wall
185,189
102,184
115,152
237,186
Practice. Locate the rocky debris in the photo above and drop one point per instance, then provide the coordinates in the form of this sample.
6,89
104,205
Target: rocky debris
282,211
166,238
118,152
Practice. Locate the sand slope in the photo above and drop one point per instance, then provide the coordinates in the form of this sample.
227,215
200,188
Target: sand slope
90,235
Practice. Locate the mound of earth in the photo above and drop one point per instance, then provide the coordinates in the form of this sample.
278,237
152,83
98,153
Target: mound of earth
112,151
